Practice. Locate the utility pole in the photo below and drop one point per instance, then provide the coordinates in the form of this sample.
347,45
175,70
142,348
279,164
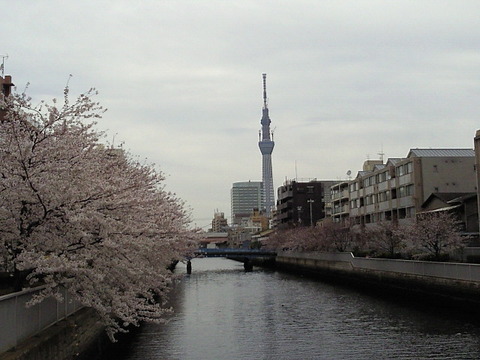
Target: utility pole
311,201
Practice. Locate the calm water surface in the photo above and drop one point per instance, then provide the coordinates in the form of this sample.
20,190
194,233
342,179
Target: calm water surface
222,312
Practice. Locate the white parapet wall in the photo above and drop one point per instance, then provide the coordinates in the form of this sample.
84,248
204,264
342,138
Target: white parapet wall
20,321
444,270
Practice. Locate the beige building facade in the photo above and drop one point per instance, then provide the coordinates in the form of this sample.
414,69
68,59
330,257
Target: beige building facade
396,190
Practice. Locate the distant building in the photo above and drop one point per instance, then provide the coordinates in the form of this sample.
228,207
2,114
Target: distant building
463,205
395,191
6,89
259,220
214,240
302,202
246,196
219,222
476,141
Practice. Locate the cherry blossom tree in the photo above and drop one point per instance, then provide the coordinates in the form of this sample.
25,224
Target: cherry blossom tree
436,234
338,237
326,237
386,239
82,216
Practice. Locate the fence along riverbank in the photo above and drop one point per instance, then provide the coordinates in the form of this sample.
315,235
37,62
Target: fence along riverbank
453,284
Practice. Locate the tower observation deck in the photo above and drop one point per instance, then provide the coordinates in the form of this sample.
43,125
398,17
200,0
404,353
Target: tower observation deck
266,145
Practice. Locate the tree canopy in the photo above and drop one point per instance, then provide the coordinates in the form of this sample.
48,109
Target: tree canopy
77,214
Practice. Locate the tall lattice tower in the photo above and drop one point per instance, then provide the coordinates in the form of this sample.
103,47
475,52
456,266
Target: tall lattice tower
266,145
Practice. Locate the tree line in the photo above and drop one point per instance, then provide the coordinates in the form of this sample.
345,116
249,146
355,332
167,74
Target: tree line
432,236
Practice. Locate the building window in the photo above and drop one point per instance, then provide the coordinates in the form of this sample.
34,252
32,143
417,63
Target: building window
409,212
399,171
388,215
409,167
409,190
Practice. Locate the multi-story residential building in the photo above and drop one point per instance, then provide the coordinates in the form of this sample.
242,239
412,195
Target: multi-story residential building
340,202
246,196
302,202
395,191
219,222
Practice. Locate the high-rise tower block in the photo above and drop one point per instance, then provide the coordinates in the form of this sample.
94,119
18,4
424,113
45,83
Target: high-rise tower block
266,145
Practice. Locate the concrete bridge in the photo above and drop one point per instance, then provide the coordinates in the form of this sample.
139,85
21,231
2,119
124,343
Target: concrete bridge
249,257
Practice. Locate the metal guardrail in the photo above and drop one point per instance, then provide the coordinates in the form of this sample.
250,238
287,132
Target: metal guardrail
19,322
234,252
456,271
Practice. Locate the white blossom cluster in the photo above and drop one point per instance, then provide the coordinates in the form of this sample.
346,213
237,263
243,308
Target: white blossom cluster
432,236
79,215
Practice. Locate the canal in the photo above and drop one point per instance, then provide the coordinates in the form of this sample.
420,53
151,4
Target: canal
222,312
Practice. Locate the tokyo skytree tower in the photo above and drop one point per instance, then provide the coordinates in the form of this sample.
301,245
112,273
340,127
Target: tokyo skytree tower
266,145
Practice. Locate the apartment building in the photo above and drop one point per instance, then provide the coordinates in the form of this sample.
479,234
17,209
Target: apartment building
340,199
395,191
302,202
219,222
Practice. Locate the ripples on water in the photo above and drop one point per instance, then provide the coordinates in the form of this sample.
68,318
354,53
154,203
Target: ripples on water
221,312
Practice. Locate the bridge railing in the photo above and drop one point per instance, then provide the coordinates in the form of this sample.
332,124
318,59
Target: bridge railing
458,271
234,252
19,321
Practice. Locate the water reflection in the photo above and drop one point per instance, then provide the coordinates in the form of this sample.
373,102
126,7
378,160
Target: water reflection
223,312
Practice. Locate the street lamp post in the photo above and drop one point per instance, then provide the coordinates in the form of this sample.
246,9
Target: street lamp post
311,201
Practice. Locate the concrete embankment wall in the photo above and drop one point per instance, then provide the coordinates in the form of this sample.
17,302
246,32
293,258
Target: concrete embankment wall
451,284
80,336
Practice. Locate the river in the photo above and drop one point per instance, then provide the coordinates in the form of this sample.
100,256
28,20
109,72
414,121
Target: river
223,312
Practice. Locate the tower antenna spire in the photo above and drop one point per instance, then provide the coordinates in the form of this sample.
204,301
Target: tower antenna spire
264,91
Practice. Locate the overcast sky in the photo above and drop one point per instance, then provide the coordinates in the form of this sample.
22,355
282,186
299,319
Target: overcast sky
182,81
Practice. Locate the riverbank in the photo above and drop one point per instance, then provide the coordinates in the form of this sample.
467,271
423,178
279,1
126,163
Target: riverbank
456,286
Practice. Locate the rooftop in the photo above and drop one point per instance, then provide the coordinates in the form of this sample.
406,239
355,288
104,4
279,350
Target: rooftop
441,153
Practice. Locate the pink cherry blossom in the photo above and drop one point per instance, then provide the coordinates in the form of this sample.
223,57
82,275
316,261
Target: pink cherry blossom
77,214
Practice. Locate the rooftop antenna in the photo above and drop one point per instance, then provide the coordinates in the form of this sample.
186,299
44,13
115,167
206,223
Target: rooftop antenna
381,153
2,66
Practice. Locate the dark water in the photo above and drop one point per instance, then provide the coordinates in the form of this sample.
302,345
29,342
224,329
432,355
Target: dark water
221,312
